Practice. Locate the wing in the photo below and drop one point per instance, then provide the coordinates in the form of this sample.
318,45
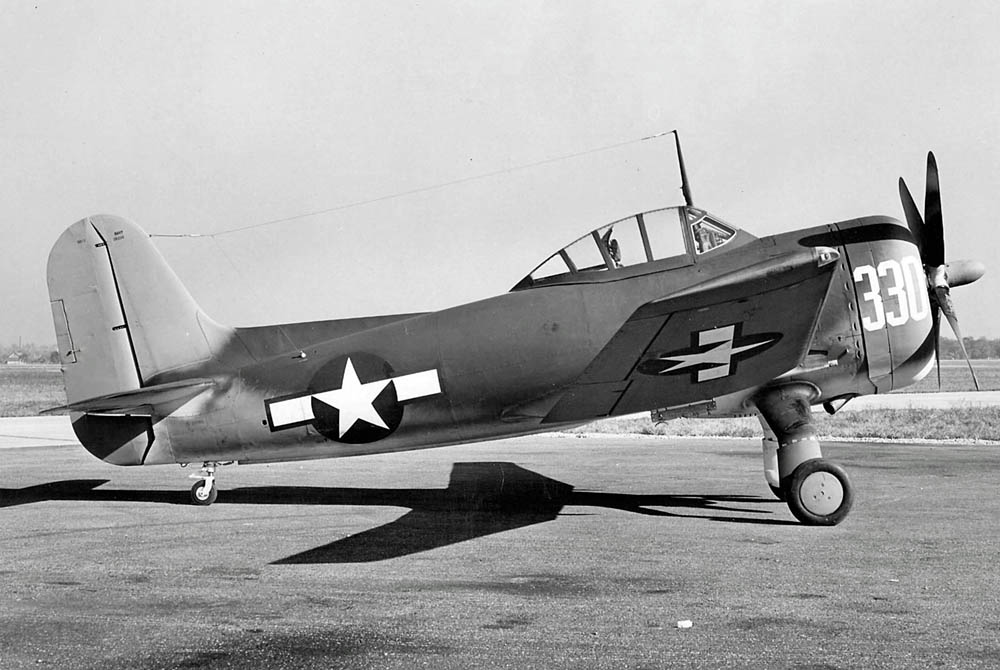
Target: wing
733,332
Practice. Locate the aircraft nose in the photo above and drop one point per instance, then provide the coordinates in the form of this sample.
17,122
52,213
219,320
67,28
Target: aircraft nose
961,273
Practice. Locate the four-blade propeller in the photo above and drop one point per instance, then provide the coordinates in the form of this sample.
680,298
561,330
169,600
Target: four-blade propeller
941,276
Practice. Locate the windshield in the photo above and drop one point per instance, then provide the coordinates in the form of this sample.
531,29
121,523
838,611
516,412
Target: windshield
707,233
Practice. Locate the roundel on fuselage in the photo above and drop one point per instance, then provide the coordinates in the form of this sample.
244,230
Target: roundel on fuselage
354,399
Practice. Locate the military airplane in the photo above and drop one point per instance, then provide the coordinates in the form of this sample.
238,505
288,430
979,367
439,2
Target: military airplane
674,312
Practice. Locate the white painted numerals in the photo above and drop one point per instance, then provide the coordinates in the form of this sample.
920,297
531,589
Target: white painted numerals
897,291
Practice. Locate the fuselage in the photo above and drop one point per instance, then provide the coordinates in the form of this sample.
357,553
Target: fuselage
491,368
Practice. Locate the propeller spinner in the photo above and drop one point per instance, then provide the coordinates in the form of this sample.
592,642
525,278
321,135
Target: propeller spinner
941,276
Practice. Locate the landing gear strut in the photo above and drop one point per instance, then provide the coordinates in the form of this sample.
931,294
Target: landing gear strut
817,491
204,492
769,446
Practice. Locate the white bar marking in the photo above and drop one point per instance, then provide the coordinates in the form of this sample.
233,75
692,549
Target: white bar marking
408,387
417,385
293,410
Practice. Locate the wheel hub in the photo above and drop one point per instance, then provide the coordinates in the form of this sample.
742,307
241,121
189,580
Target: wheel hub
821,493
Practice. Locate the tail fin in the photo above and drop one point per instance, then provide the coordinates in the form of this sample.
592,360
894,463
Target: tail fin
122,317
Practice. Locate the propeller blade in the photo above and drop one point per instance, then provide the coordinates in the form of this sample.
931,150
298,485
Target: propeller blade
944,299
936,333
961,273
934,237
913,219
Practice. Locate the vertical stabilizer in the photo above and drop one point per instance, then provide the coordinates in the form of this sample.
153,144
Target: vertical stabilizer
122,317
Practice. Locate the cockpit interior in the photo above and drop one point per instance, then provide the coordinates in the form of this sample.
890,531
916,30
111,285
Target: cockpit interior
670,237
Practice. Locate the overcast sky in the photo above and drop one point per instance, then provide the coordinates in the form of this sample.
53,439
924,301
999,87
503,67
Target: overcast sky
194,117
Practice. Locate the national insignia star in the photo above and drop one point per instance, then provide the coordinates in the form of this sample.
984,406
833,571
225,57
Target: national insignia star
354,401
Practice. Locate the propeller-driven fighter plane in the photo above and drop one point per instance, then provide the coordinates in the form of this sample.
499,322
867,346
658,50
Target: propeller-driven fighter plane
673,311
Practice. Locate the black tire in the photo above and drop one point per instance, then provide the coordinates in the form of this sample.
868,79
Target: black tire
778,493
198,496
819,493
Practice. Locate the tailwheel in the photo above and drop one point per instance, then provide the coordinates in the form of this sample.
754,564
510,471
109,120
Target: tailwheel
204,493
819,493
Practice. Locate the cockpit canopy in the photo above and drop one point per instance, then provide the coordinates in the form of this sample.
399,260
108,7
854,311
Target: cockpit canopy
679,233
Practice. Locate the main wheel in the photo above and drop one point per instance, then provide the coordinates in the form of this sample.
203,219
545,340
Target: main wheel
778,493
202,495
819,493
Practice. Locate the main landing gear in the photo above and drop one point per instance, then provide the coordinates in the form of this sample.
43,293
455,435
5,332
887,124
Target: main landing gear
817,491
205,492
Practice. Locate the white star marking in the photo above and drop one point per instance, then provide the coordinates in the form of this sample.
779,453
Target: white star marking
353,400
720,356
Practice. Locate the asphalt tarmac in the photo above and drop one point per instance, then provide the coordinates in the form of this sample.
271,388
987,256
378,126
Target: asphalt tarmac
553,551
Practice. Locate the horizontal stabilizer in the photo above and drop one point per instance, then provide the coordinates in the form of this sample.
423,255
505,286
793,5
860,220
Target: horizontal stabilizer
129,402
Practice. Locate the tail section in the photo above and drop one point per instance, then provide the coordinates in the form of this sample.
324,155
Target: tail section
124,323
122,316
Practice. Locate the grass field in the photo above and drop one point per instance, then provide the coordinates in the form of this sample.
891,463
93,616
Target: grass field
955,377
963,423
970,423
26,390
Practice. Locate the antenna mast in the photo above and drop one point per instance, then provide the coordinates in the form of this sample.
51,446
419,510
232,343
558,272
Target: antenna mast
685,187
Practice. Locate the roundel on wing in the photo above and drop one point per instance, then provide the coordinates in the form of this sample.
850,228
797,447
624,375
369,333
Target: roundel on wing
354,399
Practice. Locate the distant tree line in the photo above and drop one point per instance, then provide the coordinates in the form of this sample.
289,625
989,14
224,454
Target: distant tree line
30,352
980,348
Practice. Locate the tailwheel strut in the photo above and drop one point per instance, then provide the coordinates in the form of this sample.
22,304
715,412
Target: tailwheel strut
204,492
817,491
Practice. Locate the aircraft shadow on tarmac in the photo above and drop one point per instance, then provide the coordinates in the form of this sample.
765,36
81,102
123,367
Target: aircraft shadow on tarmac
481,499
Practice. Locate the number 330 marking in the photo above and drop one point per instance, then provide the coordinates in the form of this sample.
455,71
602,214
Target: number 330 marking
905,289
